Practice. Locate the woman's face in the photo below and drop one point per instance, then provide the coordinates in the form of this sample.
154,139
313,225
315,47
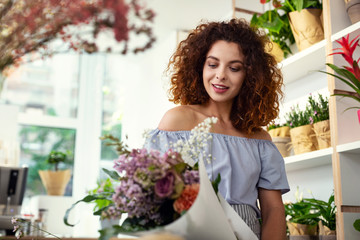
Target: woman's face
224,71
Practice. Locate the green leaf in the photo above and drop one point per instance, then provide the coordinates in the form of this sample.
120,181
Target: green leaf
113,174
350,77
86,199
347,82
357,224
216,182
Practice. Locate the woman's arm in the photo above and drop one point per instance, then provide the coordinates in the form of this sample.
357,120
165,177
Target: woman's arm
272,214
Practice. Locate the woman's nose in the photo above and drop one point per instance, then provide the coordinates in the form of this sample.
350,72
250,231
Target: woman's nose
220,74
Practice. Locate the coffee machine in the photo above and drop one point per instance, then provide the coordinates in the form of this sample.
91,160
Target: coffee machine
12,189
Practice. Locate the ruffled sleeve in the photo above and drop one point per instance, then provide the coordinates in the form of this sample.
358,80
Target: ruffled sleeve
272,175
163,140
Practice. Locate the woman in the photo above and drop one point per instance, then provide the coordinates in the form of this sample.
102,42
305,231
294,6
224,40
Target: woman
221,70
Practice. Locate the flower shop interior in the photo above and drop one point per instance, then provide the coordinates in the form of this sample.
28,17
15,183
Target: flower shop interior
56,106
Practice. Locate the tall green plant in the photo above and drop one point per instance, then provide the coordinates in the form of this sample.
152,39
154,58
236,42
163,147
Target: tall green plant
327,210
298,5
277,27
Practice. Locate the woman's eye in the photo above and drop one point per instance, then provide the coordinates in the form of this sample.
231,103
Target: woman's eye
235,69
212,65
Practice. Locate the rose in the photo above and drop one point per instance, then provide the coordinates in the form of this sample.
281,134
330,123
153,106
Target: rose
187,198
169,186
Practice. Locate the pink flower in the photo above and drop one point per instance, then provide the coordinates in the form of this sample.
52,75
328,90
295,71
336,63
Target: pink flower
187,198
165,186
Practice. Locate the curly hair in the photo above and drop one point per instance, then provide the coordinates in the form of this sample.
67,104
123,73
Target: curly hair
257,103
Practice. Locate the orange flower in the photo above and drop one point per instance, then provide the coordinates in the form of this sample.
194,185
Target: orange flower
187,198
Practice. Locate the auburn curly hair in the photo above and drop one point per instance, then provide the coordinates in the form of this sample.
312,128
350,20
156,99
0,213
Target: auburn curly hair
257,104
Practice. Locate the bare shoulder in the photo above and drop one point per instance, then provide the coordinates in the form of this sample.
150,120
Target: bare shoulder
181,118
262,134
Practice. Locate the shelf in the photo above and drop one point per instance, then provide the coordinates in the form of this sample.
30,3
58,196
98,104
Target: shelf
345,31
350,208
309,159
353,147
302,63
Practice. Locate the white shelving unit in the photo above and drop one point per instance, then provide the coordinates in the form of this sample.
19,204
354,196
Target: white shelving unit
308,160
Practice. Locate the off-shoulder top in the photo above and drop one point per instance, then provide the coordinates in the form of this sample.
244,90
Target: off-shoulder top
244,164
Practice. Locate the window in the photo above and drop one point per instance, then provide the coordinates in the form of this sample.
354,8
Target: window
36,144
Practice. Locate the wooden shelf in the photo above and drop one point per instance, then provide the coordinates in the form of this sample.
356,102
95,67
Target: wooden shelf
309,159
350,208
310,59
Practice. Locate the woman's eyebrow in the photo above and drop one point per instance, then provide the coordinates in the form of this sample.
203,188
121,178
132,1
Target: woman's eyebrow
233,61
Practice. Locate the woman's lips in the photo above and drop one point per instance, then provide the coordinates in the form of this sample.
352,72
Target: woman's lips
219,88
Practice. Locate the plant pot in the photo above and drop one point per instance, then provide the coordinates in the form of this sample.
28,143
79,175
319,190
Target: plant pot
280,132
283,144
322,132
327,237
298,230
275,50
307,27
303,237
353,10
55,181
303,139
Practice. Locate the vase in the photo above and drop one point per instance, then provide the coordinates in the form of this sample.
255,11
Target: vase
55,181
307,27
108,223
353,10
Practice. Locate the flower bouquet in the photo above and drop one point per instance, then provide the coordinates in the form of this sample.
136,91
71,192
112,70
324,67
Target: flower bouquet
171,192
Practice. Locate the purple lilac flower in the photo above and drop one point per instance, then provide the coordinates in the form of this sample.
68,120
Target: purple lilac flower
315,112
311,120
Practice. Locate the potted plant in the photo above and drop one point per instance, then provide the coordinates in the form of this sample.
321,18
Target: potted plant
280,134
350,75
305,21
301,130
277,28
55,181
353,10
327,223
302,220
321,125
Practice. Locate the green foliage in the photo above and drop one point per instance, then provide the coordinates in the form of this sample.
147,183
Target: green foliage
298,5
278,28
55,158
319,108
302,212
276,125
297,117
349,79
104,187
327,210
357,224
